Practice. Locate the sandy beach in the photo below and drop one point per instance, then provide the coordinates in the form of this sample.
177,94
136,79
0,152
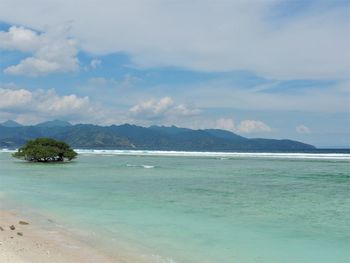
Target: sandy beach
23,241
28,243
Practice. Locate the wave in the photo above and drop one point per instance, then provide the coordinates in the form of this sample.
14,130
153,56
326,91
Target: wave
148,166
139,166
221,155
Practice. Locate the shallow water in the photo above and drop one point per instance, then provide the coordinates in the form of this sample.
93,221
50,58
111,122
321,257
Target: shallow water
196,208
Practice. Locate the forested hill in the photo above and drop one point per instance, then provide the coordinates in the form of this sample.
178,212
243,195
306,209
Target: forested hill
135,137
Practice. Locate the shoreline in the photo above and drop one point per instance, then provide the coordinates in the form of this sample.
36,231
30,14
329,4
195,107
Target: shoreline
32,243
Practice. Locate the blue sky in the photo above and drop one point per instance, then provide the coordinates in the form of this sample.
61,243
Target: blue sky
274,69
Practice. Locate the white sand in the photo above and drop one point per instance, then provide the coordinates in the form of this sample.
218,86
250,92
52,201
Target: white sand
42,246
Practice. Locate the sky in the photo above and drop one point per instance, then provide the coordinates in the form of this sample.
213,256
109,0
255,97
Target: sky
259,68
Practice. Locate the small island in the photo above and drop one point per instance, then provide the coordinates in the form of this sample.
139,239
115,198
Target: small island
45,150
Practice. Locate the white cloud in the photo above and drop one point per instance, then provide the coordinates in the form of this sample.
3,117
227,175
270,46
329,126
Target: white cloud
245,126
53,104
33,67
51,51
152,108
210,95
203,35
25,105
302,129
185,110
94,63
162,108
226,124
10,98
252,126
19,38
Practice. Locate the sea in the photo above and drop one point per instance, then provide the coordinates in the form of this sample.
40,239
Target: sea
193,207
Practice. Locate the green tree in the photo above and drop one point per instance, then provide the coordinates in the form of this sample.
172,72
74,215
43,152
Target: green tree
45,150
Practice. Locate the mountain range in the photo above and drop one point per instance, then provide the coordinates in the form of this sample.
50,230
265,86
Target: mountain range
126,136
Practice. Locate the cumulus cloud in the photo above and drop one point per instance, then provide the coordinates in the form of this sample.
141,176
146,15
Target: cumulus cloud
53,104
162,108
252,126
245,126
10,98
19,38
302,129
152,108
40,104
51,51
204,35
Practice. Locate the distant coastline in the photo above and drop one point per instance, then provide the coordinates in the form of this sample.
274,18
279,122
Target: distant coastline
132,137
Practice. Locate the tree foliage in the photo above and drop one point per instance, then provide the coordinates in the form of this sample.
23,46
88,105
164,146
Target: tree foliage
45,150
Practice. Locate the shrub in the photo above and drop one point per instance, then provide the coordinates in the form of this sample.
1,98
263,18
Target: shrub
45,150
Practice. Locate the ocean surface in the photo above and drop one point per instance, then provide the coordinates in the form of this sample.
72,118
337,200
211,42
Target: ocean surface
194,207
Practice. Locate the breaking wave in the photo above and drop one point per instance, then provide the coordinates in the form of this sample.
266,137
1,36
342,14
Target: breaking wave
222,155
141,166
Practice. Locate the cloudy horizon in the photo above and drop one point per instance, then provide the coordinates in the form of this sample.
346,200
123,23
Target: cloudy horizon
270,68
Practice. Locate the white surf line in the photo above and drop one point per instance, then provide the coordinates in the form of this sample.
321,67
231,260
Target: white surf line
328,156
325,156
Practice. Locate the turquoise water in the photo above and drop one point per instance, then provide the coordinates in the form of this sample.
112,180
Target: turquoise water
196,208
